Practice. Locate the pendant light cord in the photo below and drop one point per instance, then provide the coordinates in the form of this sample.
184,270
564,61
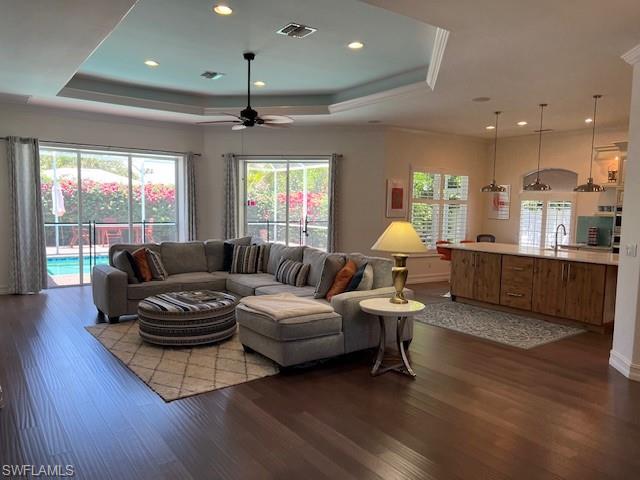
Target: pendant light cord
495,147
542,105
593,132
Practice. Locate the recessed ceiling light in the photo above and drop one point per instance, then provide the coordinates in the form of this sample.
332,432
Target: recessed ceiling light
490,127
588,120
259,83
151,63
222,9
522,123
481,99
355,45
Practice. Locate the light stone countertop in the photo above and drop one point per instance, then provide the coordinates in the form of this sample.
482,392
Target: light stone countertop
601,258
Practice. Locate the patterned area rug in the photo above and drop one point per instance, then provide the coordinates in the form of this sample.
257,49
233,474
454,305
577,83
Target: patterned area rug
507,328
175,373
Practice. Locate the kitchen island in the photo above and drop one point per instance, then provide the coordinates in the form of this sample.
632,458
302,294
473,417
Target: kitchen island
571,285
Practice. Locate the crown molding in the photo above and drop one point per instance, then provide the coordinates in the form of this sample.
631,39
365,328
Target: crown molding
439,44
632,56
376,97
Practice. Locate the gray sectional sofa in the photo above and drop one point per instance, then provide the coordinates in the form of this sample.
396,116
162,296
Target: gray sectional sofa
199,265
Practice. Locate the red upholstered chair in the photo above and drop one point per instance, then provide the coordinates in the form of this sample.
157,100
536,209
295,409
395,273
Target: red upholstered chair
445,254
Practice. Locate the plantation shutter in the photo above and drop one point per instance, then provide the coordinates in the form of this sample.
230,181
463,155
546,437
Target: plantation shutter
558,212
531,212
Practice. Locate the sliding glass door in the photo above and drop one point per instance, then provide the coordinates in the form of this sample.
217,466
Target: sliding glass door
286,200
94,199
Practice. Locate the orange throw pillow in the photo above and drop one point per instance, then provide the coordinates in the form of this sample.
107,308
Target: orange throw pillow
142,263
343,277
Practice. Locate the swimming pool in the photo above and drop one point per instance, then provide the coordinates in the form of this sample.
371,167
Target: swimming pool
71,265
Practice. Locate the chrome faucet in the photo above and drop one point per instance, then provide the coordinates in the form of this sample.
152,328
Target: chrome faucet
564,232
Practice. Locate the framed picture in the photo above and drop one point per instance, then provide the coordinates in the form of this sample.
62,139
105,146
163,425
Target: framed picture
500,204
396,199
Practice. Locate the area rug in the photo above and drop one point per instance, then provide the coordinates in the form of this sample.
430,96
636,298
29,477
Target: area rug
175,373
506,328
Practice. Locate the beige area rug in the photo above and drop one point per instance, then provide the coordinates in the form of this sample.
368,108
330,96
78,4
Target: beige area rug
175,373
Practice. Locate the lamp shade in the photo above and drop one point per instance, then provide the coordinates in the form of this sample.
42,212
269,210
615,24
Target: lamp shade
399,237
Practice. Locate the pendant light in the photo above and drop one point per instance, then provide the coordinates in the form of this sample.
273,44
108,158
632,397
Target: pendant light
590,186
493,187
538,186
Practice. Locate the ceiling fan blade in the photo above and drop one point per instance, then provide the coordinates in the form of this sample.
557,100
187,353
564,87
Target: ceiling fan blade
273,125
220,122
238,127
276,119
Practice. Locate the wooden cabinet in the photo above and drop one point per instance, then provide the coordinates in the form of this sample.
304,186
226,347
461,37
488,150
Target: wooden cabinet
572,290
516,285
579,291
476,275
584,299
548,287
462,266
486,279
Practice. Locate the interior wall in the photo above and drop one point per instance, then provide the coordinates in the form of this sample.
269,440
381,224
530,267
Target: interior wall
360,182
408,149
76,127
518,156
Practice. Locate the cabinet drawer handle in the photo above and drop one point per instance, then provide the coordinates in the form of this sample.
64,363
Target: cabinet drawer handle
517,269
517,295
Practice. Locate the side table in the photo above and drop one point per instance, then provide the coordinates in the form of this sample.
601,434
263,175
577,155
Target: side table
383,308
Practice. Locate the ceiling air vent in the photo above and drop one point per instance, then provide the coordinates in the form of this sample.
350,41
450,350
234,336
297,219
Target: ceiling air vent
212,75
296,30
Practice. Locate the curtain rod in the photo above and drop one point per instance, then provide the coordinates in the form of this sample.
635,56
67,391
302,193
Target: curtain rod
285,156
110,147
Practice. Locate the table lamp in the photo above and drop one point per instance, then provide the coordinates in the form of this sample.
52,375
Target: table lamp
399,239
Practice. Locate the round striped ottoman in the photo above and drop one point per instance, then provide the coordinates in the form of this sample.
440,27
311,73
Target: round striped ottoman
182,319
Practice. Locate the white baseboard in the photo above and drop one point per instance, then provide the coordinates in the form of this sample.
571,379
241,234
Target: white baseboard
624,366
4,289
427,278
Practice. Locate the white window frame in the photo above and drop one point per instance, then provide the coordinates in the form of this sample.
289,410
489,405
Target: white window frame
545,198
441,202
245,160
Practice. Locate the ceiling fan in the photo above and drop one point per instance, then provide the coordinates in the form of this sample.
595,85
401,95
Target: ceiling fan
249,117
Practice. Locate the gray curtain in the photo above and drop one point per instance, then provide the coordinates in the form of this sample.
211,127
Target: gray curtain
332,242
190,177
28,268
230,225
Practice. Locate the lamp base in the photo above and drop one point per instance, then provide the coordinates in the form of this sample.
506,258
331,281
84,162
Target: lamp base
399,274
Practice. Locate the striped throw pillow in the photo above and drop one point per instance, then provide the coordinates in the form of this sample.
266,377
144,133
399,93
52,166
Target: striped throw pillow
247,259
158,272
292,272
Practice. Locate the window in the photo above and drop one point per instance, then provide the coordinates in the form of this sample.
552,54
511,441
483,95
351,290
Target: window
92,199
439,206
539,219
286,200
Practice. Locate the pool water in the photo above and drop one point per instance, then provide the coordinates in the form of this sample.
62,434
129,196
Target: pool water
71,265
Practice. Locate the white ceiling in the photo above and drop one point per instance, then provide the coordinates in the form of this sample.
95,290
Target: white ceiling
519,53
186,38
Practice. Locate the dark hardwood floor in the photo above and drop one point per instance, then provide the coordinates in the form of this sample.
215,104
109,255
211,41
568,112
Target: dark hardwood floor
476,410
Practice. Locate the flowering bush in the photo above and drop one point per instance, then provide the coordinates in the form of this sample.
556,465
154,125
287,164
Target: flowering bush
109,201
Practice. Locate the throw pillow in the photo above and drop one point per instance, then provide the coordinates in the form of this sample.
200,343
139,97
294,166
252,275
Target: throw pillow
123,260
247,259
332,265
142,263
367,279
342,279
228,251
158,272
357,278
293,273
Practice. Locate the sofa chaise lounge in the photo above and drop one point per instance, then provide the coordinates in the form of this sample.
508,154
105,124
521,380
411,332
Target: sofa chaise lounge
199,266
